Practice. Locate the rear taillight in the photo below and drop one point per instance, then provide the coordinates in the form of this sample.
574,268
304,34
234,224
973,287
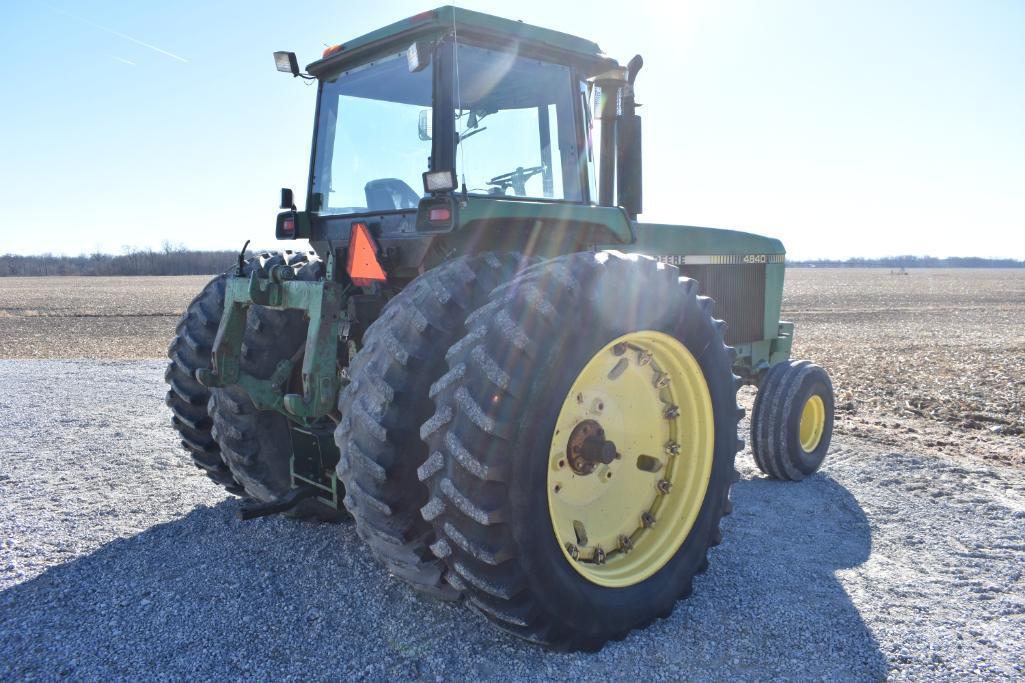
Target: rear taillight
436,214
440,214
289,226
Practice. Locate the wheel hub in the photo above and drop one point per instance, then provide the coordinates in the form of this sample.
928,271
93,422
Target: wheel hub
630,459
588,448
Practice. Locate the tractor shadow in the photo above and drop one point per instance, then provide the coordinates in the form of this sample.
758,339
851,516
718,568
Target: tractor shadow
207,596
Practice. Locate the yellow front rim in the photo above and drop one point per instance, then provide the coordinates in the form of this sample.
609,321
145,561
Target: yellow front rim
813,423
620,522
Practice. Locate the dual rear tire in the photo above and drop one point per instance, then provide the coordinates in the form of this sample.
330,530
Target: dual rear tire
191,349
500,406
245,450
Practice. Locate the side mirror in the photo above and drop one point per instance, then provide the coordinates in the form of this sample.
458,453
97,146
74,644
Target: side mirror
426,124
287,199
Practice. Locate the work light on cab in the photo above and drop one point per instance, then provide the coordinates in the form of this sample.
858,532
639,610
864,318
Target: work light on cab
418,56
439,181
287,62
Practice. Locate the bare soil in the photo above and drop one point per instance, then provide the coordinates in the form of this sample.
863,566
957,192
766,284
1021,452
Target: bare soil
933,359
114,318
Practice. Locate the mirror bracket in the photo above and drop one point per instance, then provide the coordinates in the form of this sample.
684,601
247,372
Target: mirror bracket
287,199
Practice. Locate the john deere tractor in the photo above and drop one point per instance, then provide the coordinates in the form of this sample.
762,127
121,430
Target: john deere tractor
523,396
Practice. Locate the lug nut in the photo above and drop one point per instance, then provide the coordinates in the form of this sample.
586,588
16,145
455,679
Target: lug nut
661,380
599,555
625,544
672,448
671,413
573,551
648,520
643,357
663,486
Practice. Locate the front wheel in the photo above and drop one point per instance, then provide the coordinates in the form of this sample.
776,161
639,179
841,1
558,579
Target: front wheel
582,448
792,420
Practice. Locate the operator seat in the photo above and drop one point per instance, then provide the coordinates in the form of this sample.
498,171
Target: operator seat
390,194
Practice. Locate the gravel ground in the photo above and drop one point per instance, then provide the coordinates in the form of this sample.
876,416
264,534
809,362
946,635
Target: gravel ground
120,561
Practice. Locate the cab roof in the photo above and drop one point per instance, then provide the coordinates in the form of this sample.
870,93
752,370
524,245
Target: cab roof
475,26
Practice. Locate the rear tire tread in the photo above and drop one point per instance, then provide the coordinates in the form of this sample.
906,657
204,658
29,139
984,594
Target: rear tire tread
387,400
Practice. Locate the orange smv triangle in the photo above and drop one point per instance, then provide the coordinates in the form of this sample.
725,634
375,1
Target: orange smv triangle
362,264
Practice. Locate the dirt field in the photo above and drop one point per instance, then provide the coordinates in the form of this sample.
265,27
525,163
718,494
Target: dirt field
91,317
934,359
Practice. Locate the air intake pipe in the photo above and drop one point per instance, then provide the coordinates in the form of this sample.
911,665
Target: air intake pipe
621,147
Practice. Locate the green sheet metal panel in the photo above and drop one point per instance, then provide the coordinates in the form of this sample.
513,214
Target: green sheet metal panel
444,18
699,248
611,221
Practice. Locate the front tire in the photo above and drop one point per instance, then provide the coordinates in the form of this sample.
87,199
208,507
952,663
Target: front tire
523,376
792,420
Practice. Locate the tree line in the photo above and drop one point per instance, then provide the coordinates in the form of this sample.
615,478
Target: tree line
911,262
170,260
177,260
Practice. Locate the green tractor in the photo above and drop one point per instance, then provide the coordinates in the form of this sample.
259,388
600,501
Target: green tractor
524,397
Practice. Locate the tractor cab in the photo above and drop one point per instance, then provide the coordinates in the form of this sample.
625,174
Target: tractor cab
507,123
451,111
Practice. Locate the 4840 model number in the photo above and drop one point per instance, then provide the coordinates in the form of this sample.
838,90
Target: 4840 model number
718,259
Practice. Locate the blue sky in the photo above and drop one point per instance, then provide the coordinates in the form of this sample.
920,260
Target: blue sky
843,128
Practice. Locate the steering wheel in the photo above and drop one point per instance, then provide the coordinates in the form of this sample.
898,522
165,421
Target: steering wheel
517,179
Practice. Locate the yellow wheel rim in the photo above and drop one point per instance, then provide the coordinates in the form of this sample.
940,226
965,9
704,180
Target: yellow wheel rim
619,522
813,423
